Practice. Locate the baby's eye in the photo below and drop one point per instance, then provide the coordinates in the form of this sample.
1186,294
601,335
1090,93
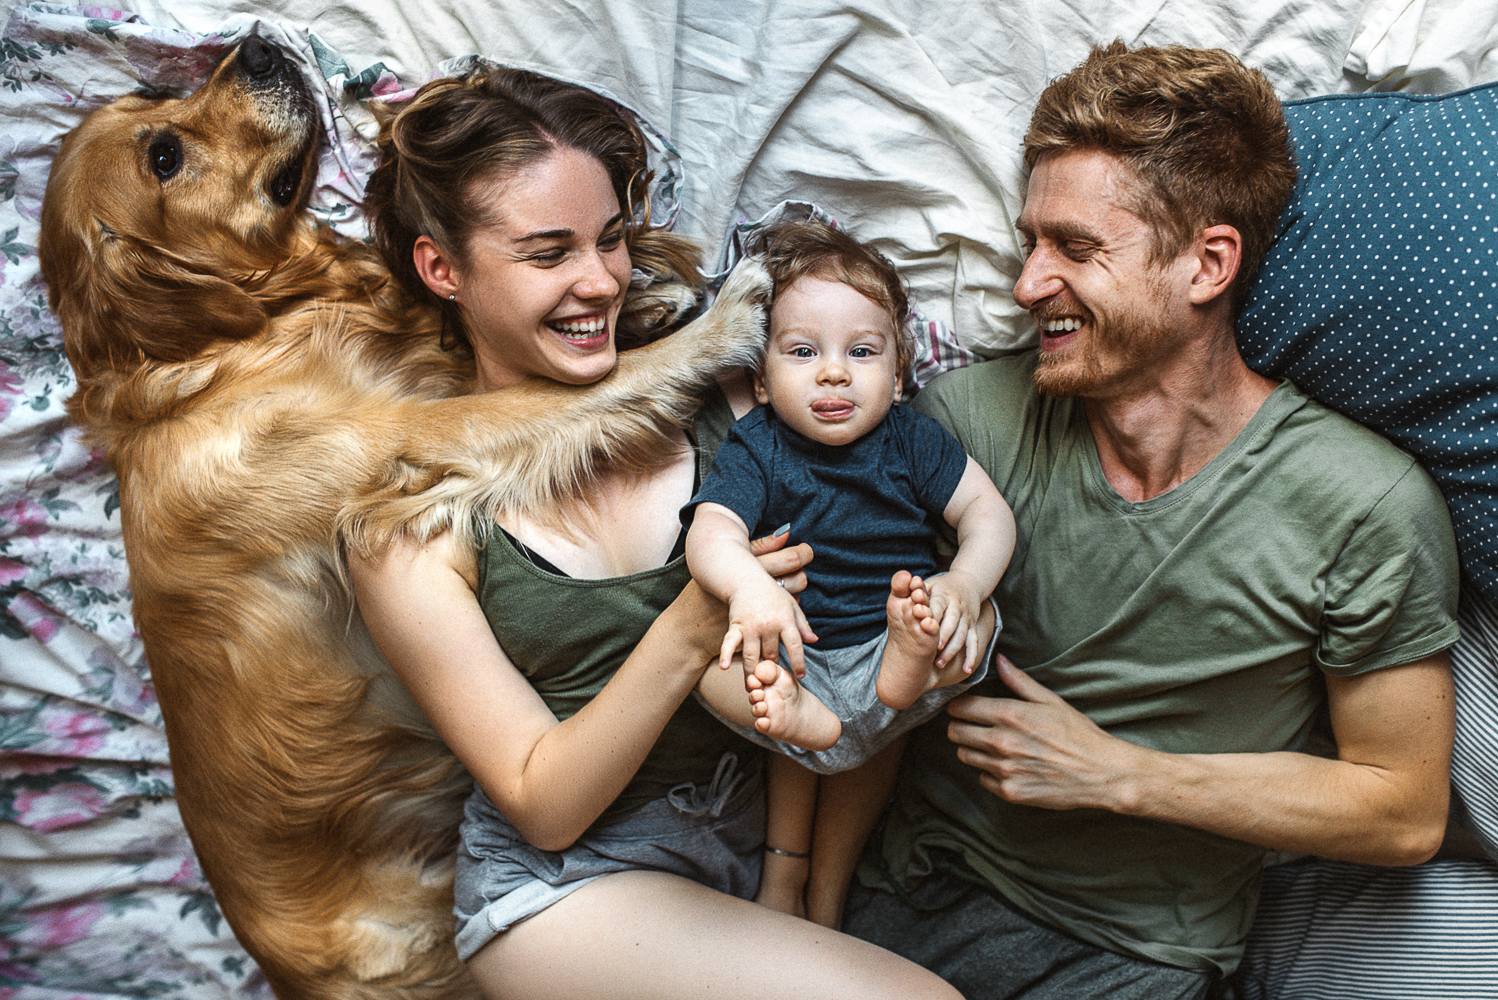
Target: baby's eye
861,352
803,352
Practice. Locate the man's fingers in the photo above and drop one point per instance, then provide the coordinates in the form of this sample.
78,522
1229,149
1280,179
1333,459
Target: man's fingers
973,735
1022,684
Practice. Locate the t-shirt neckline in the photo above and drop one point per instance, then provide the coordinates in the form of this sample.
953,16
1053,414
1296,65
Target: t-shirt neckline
1284,400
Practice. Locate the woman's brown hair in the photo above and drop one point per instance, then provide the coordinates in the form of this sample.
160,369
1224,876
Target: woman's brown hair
457,132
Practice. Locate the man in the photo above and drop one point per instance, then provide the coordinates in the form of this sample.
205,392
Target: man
1207,559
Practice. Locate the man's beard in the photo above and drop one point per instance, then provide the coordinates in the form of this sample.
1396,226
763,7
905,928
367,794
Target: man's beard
1113,355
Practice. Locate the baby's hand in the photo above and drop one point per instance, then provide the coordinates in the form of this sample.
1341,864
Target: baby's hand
762,616
955,605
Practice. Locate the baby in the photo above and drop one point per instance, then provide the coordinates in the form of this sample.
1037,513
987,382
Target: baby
829,457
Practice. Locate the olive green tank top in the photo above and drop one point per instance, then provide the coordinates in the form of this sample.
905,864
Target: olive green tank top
568,636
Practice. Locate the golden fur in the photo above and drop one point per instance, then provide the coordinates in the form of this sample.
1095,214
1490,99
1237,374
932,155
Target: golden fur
265,392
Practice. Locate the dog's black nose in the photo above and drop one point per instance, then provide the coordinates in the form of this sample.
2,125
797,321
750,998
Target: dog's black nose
258,58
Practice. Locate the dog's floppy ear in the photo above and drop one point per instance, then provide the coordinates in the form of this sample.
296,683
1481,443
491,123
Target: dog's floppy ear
119,299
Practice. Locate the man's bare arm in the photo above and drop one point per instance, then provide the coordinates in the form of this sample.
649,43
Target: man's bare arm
1383,800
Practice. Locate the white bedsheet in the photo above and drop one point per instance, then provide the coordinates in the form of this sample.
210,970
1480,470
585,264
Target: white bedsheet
903,118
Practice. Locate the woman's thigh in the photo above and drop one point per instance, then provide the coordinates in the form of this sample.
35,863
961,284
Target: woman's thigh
656,936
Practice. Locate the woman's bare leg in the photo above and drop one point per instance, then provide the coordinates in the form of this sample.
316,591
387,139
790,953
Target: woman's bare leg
653,936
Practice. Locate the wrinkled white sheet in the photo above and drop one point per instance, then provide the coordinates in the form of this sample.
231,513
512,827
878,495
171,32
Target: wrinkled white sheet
901,117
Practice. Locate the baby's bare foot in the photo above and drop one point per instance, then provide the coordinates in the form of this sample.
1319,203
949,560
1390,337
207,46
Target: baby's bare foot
786,711
908,669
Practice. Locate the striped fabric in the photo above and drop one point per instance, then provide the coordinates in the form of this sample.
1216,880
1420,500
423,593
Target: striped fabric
1332,930
1474,761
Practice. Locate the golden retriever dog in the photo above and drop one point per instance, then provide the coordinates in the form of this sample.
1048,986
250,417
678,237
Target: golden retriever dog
266,393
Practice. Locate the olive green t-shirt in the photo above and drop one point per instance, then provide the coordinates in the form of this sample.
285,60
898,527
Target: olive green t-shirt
1199,621
568,636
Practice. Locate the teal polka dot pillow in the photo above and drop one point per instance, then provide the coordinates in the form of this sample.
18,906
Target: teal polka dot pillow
1380,294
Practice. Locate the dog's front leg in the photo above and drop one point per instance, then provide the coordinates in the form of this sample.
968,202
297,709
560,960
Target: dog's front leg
528,446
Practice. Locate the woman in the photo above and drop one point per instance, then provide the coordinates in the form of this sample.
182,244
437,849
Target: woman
556,660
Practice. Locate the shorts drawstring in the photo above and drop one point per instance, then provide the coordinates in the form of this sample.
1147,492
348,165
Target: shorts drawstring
695,800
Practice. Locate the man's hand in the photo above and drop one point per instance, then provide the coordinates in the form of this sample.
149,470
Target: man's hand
1036,749
1382,801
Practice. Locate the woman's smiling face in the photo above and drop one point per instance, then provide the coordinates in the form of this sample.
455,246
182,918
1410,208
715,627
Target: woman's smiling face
543,281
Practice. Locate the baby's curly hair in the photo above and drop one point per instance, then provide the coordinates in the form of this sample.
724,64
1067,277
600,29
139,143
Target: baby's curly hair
810,248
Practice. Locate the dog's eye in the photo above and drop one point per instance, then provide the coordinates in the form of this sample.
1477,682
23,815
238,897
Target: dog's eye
165,156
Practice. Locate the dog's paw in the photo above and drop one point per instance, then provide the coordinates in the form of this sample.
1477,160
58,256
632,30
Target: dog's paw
739,317
748,283
652,311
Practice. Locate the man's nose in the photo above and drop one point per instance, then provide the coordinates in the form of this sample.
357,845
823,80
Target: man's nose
1038,281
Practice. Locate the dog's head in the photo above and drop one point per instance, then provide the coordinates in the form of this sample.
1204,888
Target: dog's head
161,216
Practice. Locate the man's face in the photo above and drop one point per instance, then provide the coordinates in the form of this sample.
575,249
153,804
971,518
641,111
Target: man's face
1106,313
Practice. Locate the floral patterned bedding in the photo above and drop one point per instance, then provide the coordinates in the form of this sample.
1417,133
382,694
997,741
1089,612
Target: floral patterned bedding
101,895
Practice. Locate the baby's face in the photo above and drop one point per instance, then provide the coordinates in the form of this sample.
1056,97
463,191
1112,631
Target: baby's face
830,368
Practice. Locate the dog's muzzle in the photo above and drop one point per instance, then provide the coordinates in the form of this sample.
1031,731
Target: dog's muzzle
282,93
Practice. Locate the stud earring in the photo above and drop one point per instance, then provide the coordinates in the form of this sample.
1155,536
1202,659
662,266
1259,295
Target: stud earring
453,296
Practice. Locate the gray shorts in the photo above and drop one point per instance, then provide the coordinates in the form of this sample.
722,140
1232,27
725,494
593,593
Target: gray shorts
711,834
844,680
989,950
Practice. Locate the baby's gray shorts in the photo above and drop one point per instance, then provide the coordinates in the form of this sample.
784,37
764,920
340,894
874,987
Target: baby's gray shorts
844,680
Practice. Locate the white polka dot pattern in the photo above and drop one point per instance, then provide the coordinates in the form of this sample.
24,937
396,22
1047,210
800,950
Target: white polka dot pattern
1378,296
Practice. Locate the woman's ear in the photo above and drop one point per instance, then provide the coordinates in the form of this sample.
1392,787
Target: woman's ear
435,268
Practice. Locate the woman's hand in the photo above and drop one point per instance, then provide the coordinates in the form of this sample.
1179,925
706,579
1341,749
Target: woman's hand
786,565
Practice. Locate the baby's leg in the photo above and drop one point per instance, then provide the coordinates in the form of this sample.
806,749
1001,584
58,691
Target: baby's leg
790,803
775,705
909,669
786,711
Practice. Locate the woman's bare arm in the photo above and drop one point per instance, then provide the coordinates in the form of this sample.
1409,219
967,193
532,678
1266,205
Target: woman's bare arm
551,779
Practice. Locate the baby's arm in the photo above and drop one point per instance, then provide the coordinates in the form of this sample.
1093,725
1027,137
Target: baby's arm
985,541
761,614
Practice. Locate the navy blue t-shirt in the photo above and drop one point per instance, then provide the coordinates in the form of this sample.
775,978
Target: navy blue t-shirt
868,508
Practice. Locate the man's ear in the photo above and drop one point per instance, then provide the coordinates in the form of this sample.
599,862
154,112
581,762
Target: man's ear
1218,254
435,268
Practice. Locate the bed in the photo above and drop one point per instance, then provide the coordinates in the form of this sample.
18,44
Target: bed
901,119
